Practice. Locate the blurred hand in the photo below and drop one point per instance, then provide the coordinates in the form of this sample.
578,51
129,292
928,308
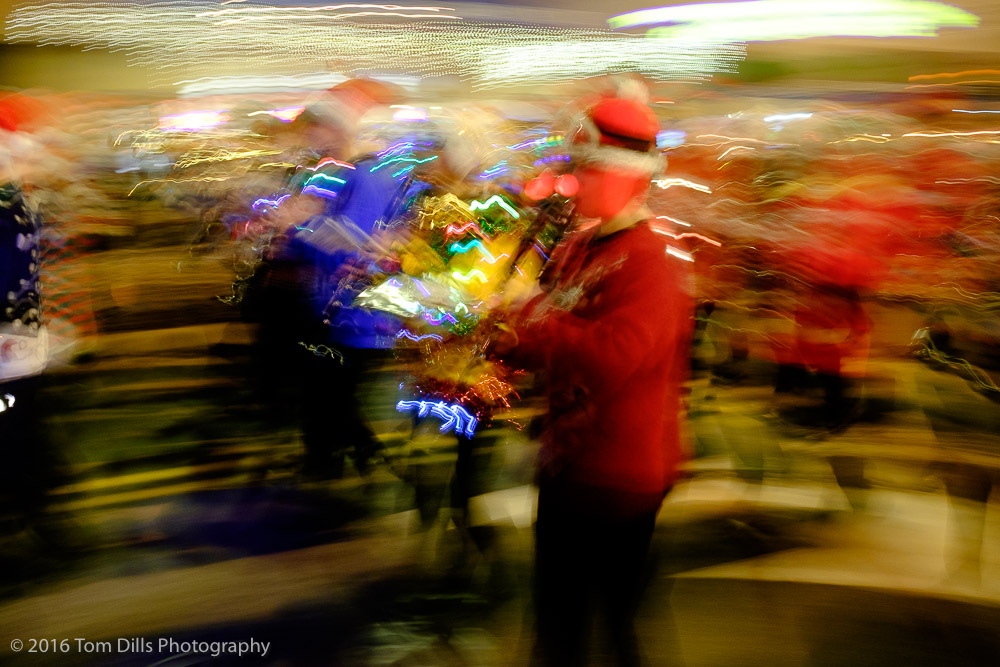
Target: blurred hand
502,341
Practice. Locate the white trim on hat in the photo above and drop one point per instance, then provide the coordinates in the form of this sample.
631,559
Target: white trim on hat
621,158
585,149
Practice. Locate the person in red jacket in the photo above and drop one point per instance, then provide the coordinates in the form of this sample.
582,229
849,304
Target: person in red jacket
610,336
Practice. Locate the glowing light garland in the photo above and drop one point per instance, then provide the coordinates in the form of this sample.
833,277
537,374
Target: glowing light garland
454,415
474,273
458,248
273,203
316,190
175,39
495,199
403,333
402,159
325,178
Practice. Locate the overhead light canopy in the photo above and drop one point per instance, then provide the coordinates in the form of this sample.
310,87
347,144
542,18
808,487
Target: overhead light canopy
773,20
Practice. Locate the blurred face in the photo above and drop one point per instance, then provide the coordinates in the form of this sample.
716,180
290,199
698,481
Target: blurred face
606,192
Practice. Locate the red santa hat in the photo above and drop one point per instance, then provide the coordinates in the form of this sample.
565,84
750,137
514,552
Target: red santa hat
619,131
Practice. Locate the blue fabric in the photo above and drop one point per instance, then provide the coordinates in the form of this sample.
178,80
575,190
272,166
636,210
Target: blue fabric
369,198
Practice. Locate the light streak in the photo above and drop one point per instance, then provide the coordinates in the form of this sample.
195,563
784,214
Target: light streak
285,115
498,172
478,245
329,16
981,111
680,254
452,230
410,115
454,415
172,37
402,159
325,178
946,75
955,83
274,203
495,199
734,148
541,252
950,134
402,147
728,139
193,120
494,260
498,168
316,190
786,116
199,157
674,220
986,179
686,235
329,160
324,8
864,137
665,183
420,286
440,318
404,333
203,179
9,403
771,20
525,144
209,85
698,236
474,273
323,351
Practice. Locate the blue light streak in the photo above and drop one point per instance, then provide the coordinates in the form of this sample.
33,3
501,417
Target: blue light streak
404,333
325,178
420,286
316,190
402,159
273,203
478,245
454,415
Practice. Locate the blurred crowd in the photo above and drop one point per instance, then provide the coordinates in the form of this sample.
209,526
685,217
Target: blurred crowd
363,235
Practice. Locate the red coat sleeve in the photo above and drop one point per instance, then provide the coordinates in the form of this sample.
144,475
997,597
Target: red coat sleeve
640,309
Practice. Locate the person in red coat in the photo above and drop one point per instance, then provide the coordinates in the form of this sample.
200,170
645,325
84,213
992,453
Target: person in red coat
610,335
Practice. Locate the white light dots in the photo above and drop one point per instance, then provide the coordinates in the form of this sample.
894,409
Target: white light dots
176,40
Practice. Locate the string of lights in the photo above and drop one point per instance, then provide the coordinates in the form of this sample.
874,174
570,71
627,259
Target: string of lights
176,41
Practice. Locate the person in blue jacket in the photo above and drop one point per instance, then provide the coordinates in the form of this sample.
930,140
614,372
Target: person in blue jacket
310,331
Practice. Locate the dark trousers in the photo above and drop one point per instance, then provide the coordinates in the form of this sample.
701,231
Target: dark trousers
587,564
31,466
333,422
